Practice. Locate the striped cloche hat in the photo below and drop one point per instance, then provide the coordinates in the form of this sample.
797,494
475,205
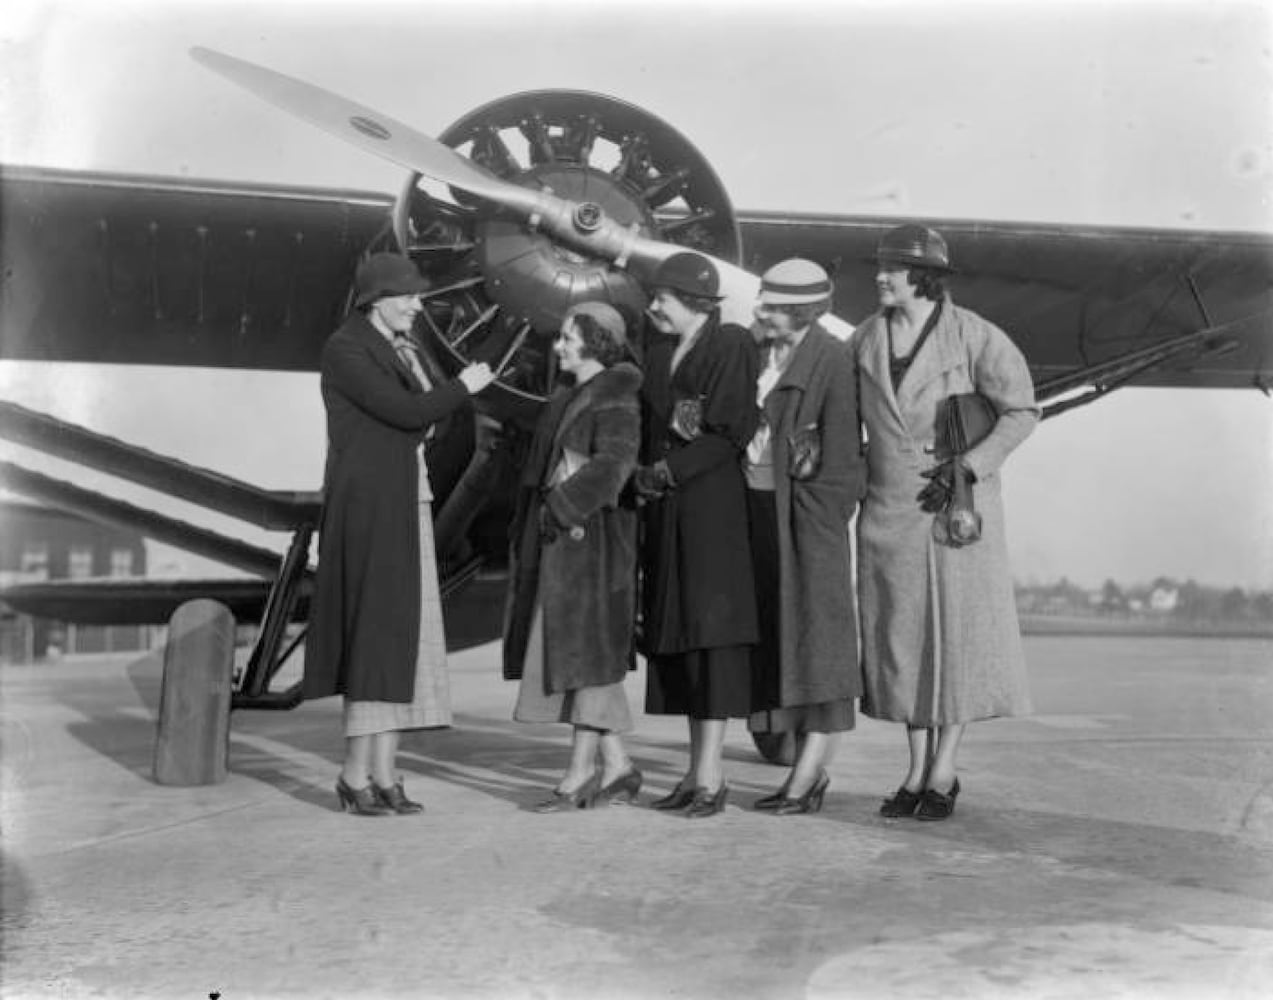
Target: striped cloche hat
794,282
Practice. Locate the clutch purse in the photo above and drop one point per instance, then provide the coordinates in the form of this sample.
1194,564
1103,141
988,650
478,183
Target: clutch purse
963,421
687,418
804,452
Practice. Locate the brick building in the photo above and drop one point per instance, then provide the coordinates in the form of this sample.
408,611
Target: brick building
41,543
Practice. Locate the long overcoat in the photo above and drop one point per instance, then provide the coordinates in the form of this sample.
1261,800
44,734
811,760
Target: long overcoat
941,644
365,613
817,624
697,584
585,583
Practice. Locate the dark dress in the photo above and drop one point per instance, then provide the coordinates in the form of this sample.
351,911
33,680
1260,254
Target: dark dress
698,599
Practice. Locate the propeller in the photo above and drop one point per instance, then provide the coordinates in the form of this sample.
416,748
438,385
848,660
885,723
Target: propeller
582,226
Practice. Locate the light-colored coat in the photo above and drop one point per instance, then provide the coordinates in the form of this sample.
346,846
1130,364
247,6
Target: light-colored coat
817,628
940,640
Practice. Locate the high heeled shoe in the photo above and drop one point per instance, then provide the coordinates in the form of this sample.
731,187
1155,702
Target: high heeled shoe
810,801
622,790
707,803
359,801
395,799
583,797
770,802
903,803
678,798
935,805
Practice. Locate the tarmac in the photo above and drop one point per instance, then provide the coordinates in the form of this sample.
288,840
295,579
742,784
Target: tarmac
1116,844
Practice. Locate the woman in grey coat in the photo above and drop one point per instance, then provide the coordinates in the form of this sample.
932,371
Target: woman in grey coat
940,641
804,477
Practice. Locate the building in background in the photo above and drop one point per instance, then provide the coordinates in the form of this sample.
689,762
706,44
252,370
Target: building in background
40,543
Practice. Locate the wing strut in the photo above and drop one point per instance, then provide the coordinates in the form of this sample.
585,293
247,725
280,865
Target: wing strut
1106,376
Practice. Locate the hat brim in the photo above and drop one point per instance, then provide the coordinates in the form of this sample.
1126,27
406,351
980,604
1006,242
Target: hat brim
876,258
689,291
375,294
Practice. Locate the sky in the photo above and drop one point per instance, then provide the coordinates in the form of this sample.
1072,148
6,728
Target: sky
1157,114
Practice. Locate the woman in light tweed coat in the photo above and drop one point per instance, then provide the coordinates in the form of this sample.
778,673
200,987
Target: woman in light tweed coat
940,641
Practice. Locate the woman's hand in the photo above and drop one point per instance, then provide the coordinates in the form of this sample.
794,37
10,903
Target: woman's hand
477,377
652,481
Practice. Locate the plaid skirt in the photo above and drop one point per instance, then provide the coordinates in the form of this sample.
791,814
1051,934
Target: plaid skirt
431,705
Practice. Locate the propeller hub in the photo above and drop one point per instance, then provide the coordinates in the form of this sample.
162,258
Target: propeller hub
535,277
588,216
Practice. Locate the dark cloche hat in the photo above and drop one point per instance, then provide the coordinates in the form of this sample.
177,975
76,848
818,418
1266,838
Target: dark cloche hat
914,244
687,272
384,274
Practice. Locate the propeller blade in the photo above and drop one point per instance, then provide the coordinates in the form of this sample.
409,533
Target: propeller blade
363,126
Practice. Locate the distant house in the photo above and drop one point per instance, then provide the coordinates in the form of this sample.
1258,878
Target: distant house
1163,600
40,543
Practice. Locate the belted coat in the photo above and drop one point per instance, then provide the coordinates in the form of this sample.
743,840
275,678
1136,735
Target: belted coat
365,612
817,629
585,580
940,639
697,583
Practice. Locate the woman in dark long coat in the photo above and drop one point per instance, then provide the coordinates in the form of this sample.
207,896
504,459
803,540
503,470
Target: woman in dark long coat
805,474
572,603
375,632
699,604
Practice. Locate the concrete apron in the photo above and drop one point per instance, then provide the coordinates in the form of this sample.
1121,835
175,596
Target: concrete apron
1096,880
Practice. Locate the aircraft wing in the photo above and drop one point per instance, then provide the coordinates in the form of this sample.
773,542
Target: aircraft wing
148,270
1072,297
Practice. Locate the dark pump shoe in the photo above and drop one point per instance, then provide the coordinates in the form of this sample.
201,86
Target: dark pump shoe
706,803
359,801
809,802
583,797
935,805
771,802
903,803
622,790
678,798
395,799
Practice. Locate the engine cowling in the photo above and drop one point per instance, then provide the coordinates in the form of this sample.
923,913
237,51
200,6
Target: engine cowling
502,285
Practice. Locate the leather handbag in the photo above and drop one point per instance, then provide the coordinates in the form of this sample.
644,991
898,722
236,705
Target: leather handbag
804,452
687,418
963,421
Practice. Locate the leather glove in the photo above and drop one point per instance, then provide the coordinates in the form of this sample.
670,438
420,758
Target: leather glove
652,481
936,496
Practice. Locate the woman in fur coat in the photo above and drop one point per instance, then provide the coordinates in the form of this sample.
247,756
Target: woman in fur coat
569,622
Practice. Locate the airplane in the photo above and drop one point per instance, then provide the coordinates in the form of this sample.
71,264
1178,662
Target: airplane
520,208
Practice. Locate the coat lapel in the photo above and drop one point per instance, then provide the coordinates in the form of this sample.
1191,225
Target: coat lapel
873,362
575,405
805,362
941,353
